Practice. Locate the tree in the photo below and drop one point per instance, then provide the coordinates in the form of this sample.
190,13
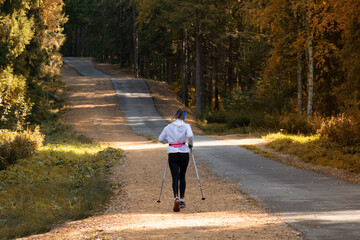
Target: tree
16,34
346,13
31,35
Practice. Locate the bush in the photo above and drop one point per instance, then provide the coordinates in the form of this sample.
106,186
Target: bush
232,118
342,131
311,149
214,128
216,117
295,124
16,145
235,120
290,122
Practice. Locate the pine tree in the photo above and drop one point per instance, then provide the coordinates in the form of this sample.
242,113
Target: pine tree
16,30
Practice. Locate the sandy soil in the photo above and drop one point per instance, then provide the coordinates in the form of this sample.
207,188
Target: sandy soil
133,213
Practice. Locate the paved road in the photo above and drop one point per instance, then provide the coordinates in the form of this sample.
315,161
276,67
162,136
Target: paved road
320,207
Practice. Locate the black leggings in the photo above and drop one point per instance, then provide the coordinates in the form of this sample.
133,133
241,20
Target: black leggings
178,163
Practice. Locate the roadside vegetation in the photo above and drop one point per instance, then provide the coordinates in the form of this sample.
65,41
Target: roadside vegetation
331,141
245,121
63,180
48,173
336,144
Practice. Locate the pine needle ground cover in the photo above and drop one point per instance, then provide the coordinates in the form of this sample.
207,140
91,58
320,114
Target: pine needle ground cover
62,181
313,149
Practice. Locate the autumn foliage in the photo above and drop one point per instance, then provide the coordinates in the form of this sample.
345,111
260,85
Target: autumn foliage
30,40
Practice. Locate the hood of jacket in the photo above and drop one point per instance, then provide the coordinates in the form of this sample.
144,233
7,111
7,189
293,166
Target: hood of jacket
178,123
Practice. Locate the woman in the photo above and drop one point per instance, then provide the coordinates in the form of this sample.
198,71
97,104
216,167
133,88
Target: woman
177,134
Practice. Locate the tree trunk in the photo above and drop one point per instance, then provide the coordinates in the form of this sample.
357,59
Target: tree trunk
310,88
216,78
299,64
141,64
198,106
87,47
135,40
189,73
78,41
211,79
299,83
183,69
171,70
204,75
82,51
230,70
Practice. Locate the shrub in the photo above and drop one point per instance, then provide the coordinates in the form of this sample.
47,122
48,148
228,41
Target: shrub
265,121
235,120
214,128
293,123
216,117
311,149
342,131
16,145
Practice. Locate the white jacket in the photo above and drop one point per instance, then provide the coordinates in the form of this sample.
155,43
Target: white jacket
176,132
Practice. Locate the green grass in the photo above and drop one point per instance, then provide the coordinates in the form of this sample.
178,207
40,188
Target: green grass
65,180
312,149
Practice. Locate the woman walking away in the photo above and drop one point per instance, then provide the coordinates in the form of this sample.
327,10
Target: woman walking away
177,134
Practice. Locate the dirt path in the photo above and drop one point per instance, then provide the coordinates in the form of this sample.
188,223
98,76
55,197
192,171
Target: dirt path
133,212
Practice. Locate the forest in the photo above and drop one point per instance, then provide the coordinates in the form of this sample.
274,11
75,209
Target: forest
276,56
253,65
299,59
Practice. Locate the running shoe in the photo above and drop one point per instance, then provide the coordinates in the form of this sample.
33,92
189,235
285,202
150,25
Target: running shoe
176,205
182,203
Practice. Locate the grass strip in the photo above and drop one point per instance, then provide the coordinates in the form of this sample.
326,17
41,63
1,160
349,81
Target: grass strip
63,181
312,149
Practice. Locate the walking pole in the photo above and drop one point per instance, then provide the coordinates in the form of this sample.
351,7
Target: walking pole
197,175
163,181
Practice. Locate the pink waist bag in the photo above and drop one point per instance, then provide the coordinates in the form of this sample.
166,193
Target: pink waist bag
176,145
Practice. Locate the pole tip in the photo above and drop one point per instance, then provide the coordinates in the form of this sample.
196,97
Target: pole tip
158,201
203,198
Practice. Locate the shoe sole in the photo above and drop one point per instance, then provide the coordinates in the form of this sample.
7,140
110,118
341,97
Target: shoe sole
176,206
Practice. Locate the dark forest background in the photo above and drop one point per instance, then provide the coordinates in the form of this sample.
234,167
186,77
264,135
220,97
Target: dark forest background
271,64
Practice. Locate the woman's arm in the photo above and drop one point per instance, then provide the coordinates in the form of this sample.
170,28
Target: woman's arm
163,135
189,135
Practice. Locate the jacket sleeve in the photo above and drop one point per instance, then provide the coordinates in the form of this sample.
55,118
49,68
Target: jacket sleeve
189,135
163,135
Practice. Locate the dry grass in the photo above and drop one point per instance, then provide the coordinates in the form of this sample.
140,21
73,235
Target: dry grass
311,149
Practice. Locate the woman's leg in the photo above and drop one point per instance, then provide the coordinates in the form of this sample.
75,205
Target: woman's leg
183,164
174,168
